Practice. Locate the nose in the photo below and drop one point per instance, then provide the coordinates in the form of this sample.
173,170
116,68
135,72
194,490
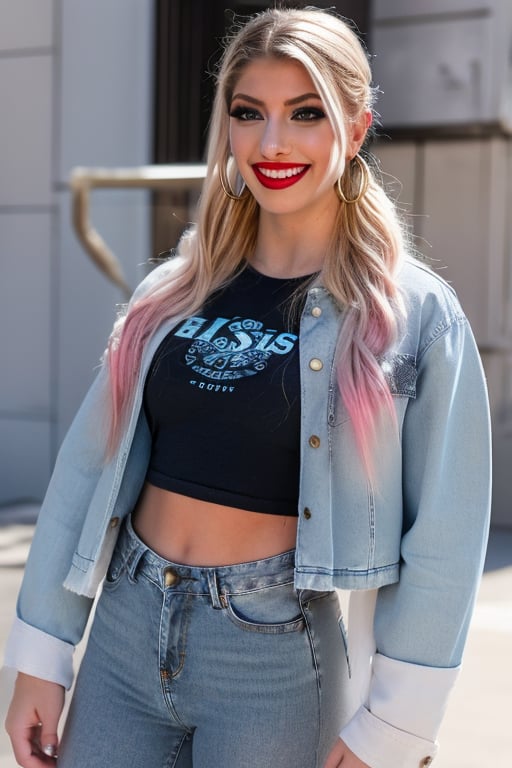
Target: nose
275,140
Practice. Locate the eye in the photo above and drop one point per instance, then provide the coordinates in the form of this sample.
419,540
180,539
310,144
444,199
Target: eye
308,114
245,114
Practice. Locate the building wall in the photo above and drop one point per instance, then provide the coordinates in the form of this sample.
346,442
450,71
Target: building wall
456,194
75,89
27,218
445,78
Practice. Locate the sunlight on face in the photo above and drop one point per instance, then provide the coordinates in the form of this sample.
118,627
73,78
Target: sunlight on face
281,138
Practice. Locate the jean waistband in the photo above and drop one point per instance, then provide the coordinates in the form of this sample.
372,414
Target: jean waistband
137,557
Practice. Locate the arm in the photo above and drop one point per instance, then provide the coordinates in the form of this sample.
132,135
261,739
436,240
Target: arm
50,617
421,622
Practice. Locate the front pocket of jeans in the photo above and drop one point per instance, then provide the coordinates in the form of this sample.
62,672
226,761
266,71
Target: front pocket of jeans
271,610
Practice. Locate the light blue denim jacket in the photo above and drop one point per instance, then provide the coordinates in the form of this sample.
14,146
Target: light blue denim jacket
413,540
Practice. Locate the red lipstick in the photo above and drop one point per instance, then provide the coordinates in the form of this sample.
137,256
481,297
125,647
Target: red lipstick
275,176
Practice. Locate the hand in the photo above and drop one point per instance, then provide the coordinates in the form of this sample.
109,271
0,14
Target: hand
341,755
32,721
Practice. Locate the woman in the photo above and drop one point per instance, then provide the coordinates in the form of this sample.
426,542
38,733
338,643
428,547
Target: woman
293,405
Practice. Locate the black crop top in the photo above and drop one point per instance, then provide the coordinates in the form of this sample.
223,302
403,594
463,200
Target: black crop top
222,399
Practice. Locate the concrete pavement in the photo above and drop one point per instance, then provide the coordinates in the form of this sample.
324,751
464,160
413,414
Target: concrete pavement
477,731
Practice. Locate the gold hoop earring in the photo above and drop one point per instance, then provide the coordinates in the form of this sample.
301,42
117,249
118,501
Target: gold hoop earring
363,182
226,188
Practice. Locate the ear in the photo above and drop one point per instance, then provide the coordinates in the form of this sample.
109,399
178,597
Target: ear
356,133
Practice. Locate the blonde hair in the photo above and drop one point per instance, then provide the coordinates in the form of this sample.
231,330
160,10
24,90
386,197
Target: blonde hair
367,242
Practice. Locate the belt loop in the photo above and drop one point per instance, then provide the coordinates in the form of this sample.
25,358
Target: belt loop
132,562
214,588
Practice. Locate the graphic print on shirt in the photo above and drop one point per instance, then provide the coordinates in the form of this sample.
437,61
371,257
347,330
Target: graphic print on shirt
224,350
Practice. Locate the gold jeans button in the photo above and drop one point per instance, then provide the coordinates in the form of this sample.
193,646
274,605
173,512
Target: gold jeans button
171,578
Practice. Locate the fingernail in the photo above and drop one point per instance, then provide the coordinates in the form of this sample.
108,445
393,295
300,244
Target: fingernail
50,750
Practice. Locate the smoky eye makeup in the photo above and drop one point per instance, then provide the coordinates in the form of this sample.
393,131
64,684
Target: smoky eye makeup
308,114
302,114
241,112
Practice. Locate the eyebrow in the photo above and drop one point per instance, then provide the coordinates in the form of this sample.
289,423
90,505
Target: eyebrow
288,103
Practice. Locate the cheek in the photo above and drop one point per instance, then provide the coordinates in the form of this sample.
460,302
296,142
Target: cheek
320,144
240,149
239,143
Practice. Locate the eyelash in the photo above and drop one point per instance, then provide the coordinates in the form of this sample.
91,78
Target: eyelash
303,114
245,114
308,114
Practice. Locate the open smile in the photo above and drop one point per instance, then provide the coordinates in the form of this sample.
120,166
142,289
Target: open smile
279,175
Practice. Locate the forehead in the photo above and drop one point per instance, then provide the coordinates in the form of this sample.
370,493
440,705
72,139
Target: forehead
268,78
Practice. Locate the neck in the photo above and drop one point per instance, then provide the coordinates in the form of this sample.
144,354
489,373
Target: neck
286,247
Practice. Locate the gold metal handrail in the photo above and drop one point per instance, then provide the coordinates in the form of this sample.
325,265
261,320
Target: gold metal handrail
178,177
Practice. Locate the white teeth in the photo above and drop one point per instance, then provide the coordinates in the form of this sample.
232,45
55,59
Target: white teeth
287,174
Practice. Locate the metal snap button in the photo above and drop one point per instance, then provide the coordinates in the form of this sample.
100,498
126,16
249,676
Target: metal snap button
315,364
114,522
316,311
314,441
426,762
307,513
171,578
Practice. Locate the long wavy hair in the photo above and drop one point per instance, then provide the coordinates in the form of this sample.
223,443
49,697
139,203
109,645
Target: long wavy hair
366,247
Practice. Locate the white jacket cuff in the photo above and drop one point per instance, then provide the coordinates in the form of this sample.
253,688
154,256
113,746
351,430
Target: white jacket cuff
36,653
404,710
381,745
411,697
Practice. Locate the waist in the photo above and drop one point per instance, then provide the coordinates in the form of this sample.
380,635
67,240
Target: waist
134,554
194,532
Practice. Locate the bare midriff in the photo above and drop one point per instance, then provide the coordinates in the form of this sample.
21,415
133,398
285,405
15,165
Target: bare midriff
194,532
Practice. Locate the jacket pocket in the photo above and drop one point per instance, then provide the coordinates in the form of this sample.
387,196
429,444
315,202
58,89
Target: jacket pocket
400,373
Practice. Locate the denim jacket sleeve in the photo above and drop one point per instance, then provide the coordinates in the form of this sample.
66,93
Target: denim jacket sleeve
42,639
421,622
51,619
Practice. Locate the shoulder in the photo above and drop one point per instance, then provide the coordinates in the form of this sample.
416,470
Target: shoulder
420,282
425,290
160,275
432,307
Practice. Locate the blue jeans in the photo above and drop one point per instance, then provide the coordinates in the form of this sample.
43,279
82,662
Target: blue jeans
224,667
